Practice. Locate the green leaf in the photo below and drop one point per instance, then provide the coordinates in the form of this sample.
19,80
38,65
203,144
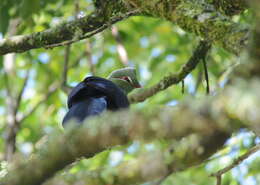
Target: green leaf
29,7
4,17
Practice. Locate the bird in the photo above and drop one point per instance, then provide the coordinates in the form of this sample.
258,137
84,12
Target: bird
95,95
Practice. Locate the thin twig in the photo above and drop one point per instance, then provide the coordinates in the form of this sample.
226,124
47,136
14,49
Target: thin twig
198,80
77,61
66,64
20,94
182,86
206,74
64,85
7,84
89,57
235,163
12,103
51,90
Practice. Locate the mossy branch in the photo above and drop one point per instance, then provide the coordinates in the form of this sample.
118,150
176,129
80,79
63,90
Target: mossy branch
228,7
62,34
149,166
205,118
199,17
198,55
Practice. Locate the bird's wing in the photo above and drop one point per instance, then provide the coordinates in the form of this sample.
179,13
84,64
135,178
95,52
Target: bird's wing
75,92
116,98
98,87
90,87
84,109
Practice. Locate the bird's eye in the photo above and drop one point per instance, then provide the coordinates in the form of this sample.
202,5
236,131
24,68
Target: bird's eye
126,78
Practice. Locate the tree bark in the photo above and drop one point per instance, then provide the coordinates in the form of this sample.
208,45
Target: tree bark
196,16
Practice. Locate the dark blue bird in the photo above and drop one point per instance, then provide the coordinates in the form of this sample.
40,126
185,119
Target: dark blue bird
94,95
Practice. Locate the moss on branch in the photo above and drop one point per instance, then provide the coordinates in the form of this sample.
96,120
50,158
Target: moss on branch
169,80
219,115
229,7
196,16
201,18
148,166
68,32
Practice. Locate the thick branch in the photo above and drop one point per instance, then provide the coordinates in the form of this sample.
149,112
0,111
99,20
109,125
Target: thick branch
216,116
149,166
254,54
230,7
66,32
95,137
200,53
198,17
195,16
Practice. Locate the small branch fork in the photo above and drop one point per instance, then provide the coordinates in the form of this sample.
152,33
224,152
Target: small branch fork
13,123
235,163
56,85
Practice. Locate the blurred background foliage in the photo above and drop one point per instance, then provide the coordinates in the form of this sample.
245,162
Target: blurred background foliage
155,47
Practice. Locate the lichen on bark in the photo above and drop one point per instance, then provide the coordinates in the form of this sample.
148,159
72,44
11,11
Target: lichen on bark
199,17
229,7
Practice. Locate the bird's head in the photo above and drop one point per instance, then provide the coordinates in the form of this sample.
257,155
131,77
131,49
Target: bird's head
125,78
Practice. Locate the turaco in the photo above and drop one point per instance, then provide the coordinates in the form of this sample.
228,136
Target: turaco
94,94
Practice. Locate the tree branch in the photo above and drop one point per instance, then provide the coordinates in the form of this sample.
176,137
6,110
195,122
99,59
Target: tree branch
235,163
199,17
206,75
51,90
200,53
218,117
154,165
204,20
64,85
78,142
230,8
253,52
68,33
12,102
20,94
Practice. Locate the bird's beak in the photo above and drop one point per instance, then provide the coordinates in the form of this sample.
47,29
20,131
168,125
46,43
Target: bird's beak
138,86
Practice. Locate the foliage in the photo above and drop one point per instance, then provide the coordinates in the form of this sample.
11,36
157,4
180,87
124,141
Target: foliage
155,47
